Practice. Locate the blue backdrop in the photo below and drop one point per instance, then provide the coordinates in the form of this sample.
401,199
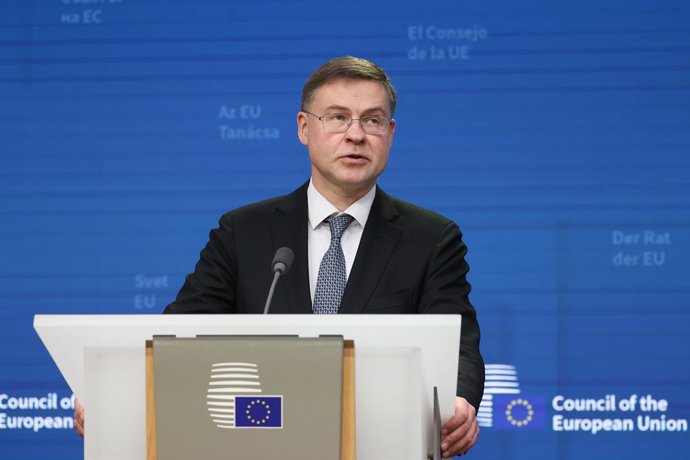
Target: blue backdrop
555,133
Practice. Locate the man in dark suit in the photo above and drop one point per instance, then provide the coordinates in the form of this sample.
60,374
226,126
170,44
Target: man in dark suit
400,258
392,257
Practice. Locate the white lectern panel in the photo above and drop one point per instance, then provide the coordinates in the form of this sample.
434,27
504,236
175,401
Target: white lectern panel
102,359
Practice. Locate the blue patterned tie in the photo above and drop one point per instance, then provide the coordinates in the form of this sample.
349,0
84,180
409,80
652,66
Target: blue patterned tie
332,278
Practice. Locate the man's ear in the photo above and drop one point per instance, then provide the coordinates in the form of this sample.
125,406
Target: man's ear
302,130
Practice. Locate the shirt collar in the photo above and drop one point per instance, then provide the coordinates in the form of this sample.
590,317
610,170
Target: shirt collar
320,208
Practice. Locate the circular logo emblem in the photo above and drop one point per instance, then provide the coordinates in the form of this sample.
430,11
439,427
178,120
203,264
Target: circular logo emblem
519,412
258,412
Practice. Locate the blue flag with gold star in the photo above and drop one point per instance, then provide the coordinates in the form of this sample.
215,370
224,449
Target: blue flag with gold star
519,412
259,411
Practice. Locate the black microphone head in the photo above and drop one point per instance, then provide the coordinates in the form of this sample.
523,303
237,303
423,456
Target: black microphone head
282,261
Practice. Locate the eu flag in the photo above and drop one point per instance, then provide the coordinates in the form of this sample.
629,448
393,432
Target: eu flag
519,412
259,412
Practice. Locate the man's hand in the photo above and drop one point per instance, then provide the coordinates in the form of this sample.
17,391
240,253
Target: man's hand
79,418
460,432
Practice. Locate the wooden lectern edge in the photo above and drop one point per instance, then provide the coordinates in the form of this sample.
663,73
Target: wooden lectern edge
347,427
151,431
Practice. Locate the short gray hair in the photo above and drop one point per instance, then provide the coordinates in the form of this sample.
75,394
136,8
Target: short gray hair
348,67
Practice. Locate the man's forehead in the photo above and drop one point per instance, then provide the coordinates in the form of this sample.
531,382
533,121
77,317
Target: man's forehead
352,94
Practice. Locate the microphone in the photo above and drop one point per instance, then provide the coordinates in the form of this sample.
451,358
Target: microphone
282,262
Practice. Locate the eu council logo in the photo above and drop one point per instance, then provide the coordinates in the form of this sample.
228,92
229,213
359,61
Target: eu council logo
504,406
519,412
234,398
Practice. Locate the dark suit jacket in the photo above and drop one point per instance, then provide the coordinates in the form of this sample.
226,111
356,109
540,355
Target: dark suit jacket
409,260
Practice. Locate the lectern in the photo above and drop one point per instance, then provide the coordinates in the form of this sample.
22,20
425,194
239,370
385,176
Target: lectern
400,360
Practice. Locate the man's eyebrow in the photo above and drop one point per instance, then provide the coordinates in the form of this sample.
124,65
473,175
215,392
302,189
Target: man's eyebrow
340,108
333,107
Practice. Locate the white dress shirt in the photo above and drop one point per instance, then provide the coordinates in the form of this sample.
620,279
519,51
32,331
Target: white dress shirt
319,233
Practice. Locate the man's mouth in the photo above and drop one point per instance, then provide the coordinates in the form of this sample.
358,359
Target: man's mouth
354,156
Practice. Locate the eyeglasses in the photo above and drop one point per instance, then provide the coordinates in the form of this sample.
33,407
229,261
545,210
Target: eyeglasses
341,122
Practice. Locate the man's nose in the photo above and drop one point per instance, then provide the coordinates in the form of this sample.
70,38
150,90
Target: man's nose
355,132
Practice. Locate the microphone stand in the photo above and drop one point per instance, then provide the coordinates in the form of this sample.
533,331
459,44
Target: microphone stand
276,275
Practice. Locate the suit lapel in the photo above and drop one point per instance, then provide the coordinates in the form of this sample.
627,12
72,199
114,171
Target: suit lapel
289,229
375,248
